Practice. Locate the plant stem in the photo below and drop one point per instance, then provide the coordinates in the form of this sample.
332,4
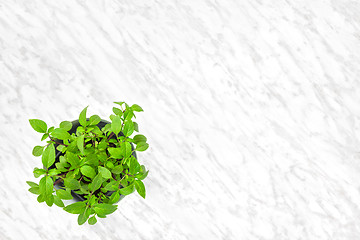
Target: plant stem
56,141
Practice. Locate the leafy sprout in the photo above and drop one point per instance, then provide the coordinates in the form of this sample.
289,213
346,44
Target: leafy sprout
98,164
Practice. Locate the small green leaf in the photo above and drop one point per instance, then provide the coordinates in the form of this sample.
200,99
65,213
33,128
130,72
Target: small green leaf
94,120
116,124
80,143
60,133
32,184
82,117
41,198
115,197
49,199
136,108
141,146
104,208
127,190
128,128
136,127
82,218
142,176
54,171
105,173
134,165
61,148
73,159
48,156
46,185
37,151
120,103
66,125
118,169
92,220
96,183
76,208
38,172
88,171
117,111
125,149
109,165
58,201
71,183
140,188
45,136
64,194
38,125
115,153
139,138
34,190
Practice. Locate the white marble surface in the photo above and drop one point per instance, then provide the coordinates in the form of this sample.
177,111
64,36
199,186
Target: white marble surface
252,111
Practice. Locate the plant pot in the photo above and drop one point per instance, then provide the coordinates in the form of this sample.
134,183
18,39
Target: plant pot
75,125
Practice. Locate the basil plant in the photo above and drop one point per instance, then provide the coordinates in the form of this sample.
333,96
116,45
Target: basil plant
90,160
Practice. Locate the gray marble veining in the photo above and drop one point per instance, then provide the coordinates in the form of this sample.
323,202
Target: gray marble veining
252,111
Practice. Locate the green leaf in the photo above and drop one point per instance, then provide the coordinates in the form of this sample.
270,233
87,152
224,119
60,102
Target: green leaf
139,138
38,125
115,197
141,146
48,156
64,194
111,186
46,185
58,201
120,103
37,151
41,198
54,171
134,164
117,111
128,114
136,127
136,108
60,133
94,120
82,117
76,208
96,183
105,173
38,172
88,171
73,159
115,152
142,176
125,149
92,159
116,124
83,217
109,165
104,208
118,169
71,183
66,125
45,136
92,220
49,199
32,184
128,128
127,190
35,190
80,143
140,188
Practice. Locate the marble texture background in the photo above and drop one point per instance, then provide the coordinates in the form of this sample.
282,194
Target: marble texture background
252,111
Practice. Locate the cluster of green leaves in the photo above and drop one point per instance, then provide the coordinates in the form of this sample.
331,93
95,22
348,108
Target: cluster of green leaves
95,163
